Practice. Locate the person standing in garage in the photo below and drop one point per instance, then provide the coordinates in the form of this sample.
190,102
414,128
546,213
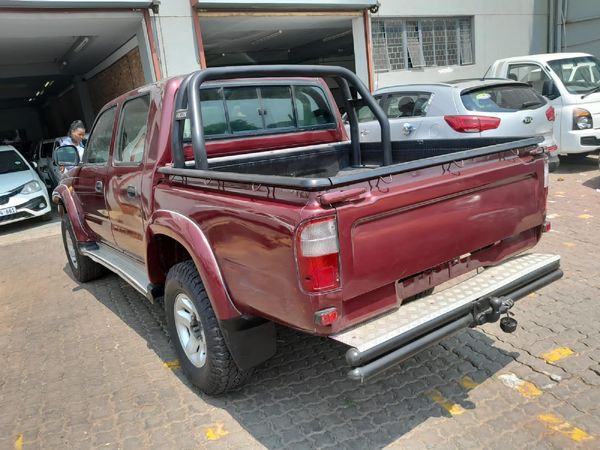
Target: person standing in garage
75,136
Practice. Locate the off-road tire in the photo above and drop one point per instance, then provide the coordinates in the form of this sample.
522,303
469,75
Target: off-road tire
85,269
219,373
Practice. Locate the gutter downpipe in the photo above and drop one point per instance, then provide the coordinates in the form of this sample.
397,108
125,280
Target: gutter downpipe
559,26
551,21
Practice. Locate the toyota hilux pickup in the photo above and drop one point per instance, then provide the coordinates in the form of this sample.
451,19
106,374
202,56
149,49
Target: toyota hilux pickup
236,198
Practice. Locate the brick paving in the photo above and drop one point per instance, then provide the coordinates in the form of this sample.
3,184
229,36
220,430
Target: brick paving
91,366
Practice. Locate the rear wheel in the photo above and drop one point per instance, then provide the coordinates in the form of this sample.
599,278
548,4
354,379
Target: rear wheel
553,166
83,268
196,335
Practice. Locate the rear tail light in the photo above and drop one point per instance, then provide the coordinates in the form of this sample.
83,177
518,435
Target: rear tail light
552,148
582,119
551,114
317,255
546,227
472,124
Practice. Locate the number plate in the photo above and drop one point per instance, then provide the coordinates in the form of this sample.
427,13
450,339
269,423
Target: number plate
7,211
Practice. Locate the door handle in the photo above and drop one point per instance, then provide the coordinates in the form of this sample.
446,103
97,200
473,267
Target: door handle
364,132
408,128
131,191
99,186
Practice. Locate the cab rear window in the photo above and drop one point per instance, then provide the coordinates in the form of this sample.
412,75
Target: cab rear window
502,99
250,110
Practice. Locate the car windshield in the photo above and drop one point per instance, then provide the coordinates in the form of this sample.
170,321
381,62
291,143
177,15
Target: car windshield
579,75
505,98
11,161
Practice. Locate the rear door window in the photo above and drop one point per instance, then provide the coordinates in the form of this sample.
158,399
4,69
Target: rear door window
508,98
407,104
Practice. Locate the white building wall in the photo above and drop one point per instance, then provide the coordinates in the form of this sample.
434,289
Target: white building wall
501,28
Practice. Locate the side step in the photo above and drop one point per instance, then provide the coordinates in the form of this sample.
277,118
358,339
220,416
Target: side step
389,339
118,262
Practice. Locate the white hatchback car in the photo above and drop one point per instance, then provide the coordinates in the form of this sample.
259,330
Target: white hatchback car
500,110
22,194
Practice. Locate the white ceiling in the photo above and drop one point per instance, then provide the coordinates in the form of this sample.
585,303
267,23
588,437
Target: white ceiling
33,45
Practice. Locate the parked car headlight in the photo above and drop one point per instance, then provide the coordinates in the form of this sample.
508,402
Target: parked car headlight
582,119
31,187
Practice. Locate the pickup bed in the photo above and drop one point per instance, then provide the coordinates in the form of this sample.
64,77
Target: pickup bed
235,197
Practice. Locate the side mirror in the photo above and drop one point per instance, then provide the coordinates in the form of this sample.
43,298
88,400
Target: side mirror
34,164
66,155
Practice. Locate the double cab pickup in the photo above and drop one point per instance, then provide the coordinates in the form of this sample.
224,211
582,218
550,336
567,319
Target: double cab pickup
235,197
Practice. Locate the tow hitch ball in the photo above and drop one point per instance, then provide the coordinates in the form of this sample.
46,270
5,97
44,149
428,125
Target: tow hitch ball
490,310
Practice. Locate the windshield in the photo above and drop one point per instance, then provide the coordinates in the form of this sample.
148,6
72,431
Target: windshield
506,98
579,75
10,161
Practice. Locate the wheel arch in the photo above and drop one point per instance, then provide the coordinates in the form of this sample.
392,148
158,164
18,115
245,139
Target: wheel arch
173,238
62,196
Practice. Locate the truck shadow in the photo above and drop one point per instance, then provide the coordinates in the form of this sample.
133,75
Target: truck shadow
301,397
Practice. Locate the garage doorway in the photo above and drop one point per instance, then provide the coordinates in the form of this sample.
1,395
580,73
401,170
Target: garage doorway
59,66
278,38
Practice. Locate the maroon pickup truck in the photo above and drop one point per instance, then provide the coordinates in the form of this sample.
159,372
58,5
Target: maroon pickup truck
235,197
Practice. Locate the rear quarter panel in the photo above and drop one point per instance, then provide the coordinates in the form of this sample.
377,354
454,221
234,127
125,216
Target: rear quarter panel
251,233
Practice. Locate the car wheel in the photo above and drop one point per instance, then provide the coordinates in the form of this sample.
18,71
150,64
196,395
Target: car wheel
83,268
196,335
553,166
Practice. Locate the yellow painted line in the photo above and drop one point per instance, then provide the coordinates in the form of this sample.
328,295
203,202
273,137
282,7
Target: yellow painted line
584,216
559,195
216,432
468,383
555,423
569,244
19,442
557,354
533,294
172,364
452,408
525,388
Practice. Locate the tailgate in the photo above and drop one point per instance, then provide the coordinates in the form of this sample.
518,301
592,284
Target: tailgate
415,221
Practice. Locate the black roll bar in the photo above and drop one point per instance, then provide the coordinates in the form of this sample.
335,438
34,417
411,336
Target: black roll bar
187,105
350,102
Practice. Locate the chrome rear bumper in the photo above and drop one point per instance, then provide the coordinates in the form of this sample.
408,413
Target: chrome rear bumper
386,340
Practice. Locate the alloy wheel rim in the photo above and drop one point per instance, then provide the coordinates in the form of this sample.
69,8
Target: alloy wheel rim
189,330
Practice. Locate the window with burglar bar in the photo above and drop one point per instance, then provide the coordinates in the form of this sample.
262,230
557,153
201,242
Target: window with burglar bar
400,44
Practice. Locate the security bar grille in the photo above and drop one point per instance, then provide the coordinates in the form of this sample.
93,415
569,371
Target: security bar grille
400,44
